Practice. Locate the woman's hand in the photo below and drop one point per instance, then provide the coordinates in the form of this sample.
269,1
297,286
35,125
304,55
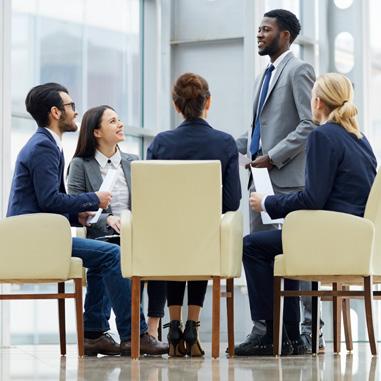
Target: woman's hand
255,201
114,222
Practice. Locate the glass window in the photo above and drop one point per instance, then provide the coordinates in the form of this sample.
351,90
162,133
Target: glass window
93,49
344,52
291,5
375,75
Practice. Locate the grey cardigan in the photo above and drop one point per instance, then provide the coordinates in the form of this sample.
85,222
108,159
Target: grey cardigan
84,175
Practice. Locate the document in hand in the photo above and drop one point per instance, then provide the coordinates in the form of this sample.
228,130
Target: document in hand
107,185
263,185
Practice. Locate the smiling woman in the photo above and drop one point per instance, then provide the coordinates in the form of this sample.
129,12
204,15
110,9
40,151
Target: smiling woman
96,154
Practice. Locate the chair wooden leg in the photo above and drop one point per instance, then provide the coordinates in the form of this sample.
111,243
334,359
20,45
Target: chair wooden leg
230,314
347,321
135,317
336,310
61,318
79,316
216,317
315,319
368,297
278,315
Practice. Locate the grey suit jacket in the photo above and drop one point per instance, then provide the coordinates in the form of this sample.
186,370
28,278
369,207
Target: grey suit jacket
84,175
285,121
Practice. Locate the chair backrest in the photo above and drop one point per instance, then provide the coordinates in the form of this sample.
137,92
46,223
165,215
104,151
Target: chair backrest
35,246
373,213
176,211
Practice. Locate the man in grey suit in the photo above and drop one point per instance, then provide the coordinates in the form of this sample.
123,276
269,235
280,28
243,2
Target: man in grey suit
281,124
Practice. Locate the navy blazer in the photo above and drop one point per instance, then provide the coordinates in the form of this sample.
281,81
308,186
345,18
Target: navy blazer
340,170
197,140
38,183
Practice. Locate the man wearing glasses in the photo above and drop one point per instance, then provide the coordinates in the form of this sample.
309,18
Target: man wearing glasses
38,187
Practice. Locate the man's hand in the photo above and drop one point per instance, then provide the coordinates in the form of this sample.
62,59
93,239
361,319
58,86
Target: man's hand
262,162
255,201
104,199
84,216
114,222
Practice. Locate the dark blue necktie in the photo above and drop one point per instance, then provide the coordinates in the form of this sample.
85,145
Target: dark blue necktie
256,136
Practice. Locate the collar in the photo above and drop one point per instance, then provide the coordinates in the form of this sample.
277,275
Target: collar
192,122
103,160
280,59
56,138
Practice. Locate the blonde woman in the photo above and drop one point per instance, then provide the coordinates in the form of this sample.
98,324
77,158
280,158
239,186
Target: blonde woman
340,169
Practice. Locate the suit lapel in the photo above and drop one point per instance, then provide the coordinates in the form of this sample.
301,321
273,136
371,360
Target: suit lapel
61,169
277,74
94,174
61,163
257,94
126,165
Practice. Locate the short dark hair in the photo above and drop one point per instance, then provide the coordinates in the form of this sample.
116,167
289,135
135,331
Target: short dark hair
286,20
41,99
189,94
87,143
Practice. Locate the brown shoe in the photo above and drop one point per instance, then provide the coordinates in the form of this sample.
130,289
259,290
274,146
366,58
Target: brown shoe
104,345
149,345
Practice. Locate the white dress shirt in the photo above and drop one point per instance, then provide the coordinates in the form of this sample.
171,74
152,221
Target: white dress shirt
120,192
276,64
56,138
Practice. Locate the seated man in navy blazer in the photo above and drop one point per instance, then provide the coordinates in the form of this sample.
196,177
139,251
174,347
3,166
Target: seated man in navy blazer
38,187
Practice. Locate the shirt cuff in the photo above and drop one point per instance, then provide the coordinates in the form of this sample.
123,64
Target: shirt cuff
263,204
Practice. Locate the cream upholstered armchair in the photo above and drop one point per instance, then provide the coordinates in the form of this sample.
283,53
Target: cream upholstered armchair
336,248
36,248
176,231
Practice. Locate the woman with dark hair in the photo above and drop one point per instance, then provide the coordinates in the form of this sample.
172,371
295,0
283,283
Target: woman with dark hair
195,139
97,151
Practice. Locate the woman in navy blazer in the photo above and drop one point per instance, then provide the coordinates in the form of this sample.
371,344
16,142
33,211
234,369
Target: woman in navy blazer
195,139
340,170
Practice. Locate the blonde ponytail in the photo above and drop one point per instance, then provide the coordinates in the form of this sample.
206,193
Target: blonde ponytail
336,91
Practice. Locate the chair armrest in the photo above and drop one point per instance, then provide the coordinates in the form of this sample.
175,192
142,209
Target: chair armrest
231,229
327,243
126,243
76,269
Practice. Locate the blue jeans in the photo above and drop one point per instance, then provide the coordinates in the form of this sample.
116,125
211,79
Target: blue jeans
104,258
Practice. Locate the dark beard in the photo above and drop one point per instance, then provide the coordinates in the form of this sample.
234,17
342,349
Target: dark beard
65,126
271,49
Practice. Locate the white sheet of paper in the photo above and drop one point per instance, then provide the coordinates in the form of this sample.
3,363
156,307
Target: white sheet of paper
107,185
263,185
243,160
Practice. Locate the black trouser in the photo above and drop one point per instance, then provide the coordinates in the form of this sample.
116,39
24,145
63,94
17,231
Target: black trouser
259,251
196,293
156,298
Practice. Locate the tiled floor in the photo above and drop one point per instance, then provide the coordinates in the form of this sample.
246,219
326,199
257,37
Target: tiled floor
44,363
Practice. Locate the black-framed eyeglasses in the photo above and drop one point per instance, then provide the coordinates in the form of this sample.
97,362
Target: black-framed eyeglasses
72,104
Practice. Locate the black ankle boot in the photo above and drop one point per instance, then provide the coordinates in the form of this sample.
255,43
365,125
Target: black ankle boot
175,339
190,336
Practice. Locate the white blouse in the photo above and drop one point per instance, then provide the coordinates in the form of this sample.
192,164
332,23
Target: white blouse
120,191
